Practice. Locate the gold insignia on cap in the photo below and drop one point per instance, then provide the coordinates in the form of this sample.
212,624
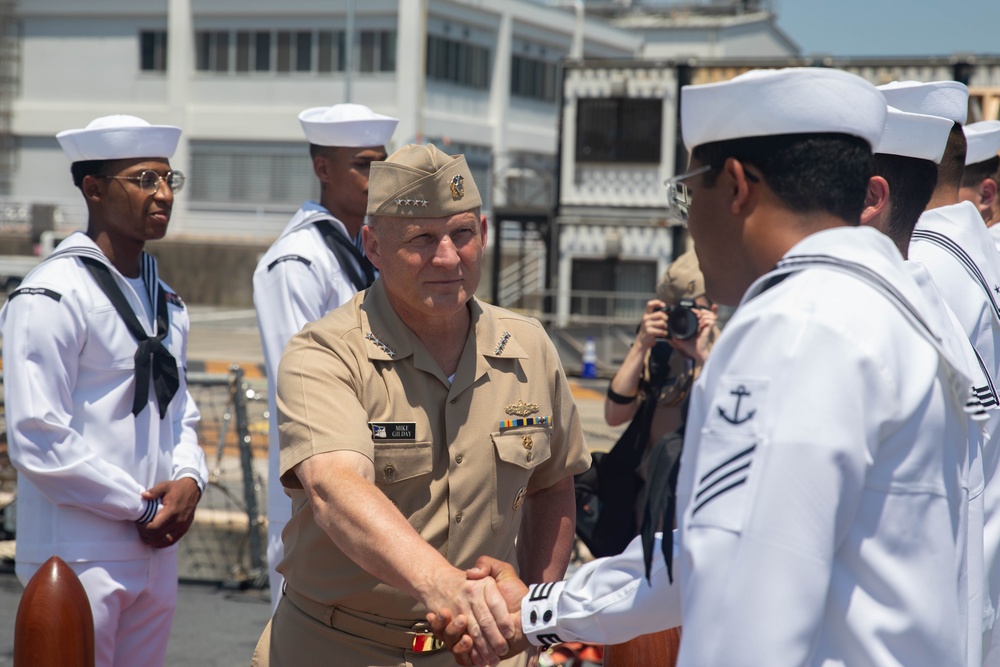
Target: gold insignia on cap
457,187
379,344
519,498
521,409
502,343
416,181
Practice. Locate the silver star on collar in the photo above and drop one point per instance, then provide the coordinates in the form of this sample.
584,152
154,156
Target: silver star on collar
503,343
379,344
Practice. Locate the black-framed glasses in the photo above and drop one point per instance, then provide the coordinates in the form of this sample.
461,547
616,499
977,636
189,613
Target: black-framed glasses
679,194
149,180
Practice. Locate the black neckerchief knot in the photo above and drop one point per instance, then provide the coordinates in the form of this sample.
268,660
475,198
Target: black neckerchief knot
151,357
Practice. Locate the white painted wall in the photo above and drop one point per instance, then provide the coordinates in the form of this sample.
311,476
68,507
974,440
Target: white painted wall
81,61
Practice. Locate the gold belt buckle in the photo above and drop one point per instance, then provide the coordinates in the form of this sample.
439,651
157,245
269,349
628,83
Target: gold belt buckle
424,641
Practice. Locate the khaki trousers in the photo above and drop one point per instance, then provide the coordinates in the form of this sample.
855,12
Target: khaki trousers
293,638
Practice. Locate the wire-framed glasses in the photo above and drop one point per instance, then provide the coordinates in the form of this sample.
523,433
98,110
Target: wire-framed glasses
149,180
679,194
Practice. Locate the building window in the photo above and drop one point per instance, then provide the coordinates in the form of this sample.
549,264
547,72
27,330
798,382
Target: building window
241,174
378,51
212,51
287,51
330,56
253,51
458,62
619,130
535,79
262,57
153,50
611,287
294,51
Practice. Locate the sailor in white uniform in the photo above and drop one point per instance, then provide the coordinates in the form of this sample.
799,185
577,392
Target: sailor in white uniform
316,264
981,179
982,169
825,465
952,241
906,168
100,425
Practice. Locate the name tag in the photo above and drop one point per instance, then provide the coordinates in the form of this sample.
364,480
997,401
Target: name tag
396,431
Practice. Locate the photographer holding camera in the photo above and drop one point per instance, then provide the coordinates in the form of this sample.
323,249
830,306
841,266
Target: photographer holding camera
681,318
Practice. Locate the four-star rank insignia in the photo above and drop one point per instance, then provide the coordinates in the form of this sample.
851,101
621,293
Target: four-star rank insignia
379,344
457,187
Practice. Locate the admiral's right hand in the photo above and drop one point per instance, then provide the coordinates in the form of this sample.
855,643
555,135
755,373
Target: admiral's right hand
453,630
483,610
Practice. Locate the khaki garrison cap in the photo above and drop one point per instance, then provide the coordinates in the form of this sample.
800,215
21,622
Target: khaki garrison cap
682,280
421,181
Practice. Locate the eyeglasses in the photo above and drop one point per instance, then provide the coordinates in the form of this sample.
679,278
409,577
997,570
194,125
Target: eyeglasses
149,180
679,194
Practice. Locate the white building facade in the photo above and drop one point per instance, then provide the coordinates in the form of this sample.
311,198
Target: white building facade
475,77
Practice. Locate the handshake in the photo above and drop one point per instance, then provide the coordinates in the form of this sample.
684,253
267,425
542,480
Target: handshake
491,631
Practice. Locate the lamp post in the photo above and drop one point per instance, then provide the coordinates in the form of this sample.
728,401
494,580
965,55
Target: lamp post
349,49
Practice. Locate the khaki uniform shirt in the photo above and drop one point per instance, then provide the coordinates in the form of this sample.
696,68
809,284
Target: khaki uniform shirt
456,458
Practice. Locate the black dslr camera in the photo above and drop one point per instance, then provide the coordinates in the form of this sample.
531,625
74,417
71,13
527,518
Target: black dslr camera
682,322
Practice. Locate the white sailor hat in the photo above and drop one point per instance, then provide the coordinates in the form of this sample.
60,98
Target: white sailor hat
787,101
119,138
983,139
915,135
353,125
948,99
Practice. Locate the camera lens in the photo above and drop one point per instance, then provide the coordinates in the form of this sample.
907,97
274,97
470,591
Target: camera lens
682,323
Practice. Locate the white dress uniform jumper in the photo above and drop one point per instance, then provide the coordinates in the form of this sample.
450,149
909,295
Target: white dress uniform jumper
311,269
844,441
87,439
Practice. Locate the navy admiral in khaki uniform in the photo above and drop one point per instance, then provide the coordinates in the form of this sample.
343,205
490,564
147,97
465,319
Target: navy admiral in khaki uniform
419,429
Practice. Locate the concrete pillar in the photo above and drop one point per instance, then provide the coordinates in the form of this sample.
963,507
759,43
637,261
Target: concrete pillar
411,68
565,283
180,66
499,103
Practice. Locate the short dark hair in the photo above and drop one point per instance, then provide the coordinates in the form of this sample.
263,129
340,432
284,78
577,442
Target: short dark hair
975,174
315,150
953,163
86,168
808,172
911,186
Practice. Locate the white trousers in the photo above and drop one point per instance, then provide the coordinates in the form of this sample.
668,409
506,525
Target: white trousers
133,604
275,552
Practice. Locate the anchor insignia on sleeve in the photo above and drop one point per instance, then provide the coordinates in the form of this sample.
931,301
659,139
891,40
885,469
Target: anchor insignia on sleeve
739,393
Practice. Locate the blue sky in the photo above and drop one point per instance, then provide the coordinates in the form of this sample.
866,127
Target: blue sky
891,27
